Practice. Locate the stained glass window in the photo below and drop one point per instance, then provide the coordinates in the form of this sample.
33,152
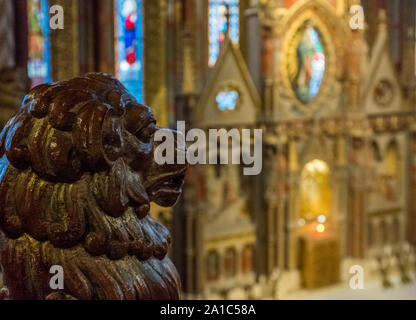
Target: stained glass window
310,64
129,46
39,66
218,25
227,100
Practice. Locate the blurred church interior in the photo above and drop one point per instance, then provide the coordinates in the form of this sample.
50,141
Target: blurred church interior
336,105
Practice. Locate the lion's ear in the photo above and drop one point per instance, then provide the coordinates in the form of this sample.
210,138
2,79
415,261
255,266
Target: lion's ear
112,136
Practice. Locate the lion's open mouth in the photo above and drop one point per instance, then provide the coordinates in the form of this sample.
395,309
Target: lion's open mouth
166,189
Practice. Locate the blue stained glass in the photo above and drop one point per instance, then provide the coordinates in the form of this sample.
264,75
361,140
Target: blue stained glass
129,46
218,25
227,100
39,60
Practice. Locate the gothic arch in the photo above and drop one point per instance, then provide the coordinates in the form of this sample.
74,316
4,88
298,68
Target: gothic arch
315,191
320,8
317,148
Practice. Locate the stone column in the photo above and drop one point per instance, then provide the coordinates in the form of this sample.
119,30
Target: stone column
7,35
358,194
341,195
281,234
87,42
243,6
271,234
13,81
270,199
105,36
293,203
411,224
65,43
155,58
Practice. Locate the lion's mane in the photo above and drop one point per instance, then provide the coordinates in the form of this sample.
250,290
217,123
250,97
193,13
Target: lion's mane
68,197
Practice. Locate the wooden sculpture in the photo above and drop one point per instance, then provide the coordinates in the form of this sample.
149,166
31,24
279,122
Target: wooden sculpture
77,175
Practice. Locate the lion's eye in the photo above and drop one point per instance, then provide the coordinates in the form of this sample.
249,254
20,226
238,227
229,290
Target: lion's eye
146,133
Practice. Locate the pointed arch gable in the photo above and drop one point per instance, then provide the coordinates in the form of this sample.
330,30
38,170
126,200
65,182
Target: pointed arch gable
315,191
382,91
230,71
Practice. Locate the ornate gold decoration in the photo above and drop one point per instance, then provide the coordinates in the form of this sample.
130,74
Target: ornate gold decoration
289,59
321,260
384,93
333,33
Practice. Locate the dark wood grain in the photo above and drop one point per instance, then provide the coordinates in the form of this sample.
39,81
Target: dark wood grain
77,175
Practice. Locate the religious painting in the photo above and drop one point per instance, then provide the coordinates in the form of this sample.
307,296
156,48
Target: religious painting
39,66
218,12
129,46
307,70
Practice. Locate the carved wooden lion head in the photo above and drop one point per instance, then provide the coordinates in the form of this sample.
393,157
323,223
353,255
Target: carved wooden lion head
77,175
